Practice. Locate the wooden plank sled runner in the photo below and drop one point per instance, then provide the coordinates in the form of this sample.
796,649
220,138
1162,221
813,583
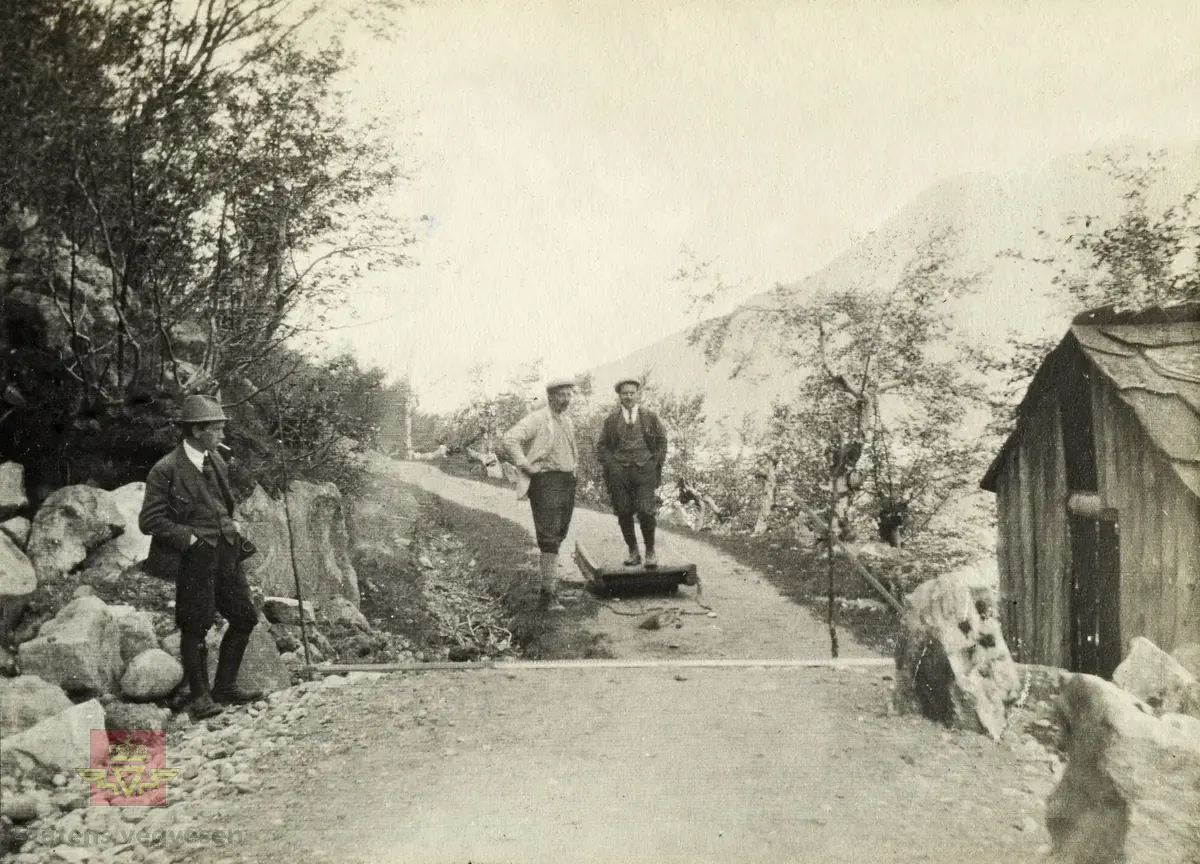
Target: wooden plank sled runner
607,580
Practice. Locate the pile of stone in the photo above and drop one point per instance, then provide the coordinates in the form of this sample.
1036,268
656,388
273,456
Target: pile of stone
71,662
224,758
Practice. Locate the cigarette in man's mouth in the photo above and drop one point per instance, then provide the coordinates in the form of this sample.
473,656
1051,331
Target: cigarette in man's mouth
226,449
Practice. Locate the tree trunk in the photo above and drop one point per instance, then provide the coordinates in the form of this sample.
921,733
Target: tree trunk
830,535
768,498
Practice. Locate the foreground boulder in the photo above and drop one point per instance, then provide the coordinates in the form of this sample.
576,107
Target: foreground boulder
17,582
26,701
57,745
1158,679
72,522
321,543
262,669
79,649
130,545
153,674
12,489
952,664
1130,793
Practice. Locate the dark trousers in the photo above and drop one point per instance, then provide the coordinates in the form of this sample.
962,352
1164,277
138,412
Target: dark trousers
552,499
631,488
210,582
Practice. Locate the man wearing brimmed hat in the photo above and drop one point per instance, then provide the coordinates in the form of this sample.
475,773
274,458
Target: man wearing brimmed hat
542,447
188,513
632,450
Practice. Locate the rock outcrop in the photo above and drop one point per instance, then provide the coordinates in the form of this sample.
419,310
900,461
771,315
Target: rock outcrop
952,664
321,543
1130,793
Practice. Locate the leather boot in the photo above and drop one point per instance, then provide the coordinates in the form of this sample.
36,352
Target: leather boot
549,570
229,661
193,654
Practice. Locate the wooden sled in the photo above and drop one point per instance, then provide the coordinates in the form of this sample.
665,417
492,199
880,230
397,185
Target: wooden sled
606,578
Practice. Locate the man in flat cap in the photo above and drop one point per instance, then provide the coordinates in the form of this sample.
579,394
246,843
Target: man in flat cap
188,513
542,447
632,450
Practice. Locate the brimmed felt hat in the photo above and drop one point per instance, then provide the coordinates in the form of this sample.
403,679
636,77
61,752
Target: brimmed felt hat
201,409
558,384
623,381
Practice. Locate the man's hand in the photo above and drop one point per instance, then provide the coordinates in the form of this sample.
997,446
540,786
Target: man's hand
528,470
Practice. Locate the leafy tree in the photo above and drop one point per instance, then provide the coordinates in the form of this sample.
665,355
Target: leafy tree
1147,257
198,194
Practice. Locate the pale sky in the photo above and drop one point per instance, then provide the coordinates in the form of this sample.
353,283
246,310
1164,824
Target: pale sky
564,152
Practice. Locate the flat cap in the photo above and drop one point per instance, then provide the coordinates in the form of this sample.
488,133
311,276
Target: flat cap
559,383
617,387
201,409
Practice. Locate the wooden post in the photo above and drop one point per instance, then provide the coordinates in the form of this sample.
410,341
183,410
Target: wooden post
831,529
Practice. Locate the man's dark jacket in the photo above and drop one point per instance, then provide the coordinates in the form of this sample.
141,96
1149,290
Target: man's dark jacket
610,439
178,504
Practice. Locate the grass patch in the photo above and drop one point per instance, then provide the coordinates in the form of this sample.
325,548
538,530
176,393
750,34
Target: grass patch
506,564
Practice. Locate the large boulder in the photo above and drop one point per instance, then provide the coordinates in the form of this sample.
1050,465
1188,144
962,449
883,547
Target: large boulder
79,649
26,701
17,528
1130,793
135,631
320,537
341,613
153,674
285,610
262,668
70,523
133,715
17,582
1158,679
57,745
952,664
12,489
130,546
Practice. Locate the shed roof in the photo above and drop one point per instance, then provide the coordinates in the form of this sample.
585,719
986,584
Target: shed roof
1152,359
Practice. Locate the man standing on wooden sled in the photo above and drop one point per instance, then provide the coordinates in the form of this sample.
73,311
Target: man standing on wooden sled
632,449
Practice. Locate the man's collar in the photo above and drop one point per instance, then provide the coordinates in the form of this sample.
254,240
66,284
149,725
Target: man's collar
194,455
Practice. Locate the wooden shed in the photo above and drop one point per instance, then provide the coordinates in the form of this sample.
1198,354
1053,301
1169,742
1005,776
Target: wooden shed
1098,493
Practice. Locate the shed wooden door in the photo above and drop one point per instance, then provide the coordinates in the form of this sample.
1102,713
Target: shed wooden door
1095,594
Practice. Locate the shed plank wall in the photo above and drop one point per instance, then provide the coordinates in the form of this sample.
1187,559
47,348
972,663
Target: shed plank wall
1033,547
1159,522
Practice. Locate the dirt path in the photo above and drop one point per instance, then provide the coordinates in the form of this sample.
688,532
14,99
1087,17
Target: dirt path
752,621
633,765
